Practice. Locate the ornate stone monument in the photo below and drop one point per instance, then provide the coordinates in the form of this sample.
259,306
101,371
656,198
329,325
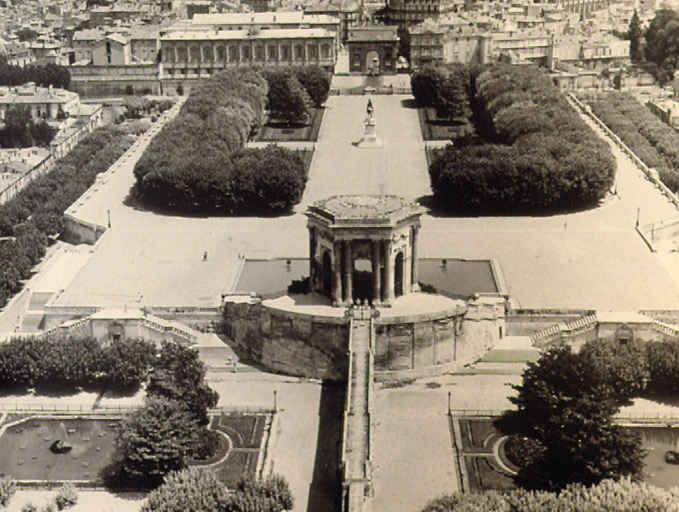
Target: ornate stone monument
363,247
370,138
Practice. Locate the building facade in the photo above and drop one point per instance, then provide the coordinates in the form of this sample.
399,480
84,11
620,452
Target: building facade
194,54
373,50
42,102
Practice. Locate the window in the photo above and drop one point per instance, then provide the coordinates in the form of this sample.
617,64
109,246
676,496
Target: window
285,53
273,53
299,52
313,51
245,52
259,53
325,51
233,54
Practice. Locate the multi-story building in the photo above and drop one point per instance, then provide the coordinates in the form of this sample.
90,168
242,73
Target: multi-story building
189,55
405,13
347,11
100,16
426,43
42,102
143,43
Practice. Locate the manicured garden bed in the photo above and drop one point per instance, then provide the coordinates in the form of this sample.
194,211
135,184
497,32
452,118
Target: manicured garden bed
25,453
274,131
484,473
434,128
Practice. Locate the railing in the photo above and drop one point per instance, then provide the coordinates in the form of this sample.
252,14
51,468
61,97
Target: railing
629,416
648,172
61,408
662,327
557,331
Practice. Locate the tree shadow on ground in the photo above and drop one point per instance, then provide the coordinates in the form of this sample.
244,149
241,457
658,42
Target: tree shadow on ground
439,209
137,204
409,103
325,489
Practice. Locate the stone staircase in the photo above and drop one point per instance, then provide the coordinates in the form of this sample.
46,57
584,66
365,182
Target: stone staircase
356,448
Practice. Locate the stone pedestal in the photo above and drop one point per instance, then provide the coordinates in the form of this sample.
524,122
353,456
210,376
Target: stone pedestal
370,139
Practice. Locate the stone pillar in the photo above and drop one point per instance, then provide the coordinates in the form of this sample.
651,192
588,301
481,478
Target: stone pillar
348,271
415,276
377,269
312,258
337,274
388,285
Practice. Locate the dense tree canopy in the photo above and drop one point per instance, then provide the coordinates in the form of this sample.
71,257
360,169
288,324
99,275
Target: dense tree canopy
36,212
662,43
44,76
316,81
285,100
566,402
607,496
654,142
445,89
20,131
532,152
216,121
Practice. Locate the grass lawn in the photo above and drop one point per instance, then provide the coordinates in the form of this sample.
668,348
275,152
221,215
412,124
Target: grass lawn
434,128
274,131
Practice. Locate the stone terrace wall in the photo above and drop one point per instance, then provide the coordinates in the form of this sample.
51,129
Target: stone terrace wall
294,343
524,322
424,342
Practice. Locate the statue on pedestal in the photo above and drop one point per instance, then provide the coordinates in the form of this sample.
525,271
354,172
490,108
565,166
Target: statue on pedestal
370,138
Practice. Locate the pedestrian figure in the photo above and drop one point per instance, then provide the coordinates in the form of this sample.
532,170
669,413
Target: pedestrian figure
205,256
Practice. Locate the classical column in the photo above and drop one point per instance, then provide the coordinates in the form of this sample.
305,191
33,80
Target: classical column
388,285
377,285
312,258
337,274
348,271
415,263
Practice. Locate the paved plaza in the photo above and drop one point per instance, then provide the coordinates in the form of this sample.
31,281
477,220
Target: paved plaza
589,259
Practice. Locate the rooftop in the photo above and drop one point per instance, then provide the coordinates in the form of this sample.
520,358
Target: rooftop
219,35
364,210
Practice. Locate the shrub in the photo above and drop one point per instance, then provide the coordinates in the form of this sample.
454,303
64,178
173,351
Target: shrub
522,451
66,497
7,490
29,507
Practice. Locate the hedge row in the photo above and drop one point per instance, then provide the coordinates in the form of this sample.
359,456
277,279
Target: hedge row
36,212
74,363
197,162
532,152
608,496
653,141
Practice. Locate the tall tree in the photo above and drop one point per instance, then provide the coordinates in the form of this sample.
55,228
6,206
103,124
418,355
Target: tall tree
662,44
634,34
567,403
